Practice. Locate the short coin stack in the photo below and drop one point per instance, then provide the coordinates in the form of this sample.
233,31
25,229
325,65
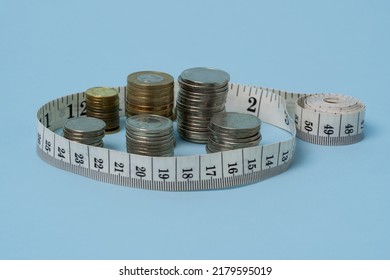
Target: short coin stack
229,131
150,135
103,103
85,130
202,94
149,92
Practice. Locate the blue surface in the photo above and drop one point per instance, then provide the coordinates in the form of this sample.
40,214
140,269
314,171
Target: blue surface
333,203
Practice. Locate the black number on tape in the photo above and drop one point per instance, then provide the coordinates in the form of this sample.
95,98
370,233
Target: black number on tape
328,129
140,171
98,163
253,102
232,168
187,173
47,120
308,126
268,161
118,166
78,158
47,146
83,105
61,152
163,174
251,164
70,106
348,129
285,156
211,171
286,118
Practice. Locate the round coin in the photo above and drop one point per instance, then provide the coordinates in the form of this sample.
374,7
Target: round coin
226,121
205,76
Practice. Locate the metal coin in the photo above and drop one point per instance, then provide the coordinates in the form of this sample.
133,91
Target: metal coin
85,124
150,78
230,130
101,92
86,130
226,121
150,135
205,76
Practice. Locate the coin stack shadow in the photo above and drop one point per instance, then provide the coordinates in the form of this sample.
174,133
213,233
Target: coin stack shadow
230,130
202,94
149,92
150,135
103,103
85,130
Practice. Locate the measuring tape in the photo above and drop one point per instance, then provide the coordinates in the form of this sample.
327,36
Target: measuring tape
322,119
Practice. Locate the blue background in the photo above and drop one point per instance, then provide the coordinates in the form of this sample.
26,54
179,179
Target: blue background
333,203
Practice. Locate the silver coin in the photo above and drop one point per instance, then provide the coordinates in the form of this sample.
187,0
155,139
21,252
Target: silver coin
85,125
222,139
85,130
205,76
226,121
230,130
150,135
202,94
149,123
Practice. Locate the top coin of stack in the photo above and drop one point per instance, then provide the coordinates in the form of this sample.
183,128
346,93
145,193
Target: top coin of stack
149,92
202,94
103,103
229,130
85,130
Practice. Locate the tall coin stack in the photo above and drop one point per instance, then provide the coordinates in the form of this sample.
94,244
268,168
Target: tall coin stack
149,92
150,135
103,103
85,130
229,131
202,94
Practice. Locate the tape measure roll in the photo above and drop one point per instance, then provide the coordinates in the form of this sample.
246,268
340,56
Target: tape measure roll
200,172
329,119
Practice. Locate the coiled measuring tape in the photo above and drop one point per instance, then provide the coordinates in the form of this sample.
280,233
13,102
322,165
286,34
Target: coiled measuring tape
321,119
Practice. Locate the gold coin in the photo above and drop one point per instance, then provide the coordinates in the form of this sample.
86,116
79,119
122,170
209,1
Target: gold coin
101,92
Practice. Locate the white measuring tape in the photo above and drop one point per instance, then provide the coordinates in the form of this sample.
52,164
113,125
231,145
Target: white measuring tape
321,119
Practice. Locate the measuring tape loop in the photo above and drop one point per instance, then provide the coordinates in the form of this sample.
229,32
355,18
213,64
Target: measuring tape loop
329,119
205,171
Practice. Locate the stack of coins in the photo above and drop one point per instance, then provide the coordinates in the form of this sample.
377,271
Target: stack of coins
85,130
202,94
149,92
150,135
103,103
229,131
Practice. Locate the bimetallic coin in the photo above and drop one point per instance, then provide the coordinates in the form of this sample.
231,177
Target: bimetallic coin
150,78
149,92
